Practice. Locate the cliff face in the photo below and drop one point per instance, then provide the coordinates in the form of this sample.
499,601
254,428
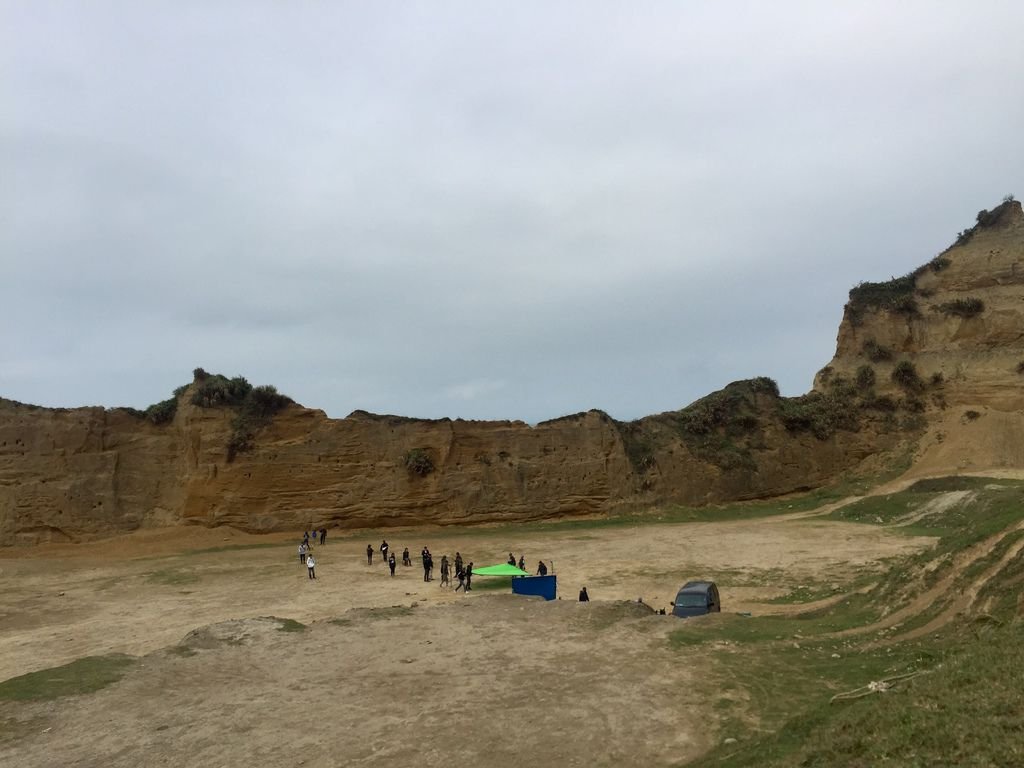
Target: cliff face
953,332
88,472
959,319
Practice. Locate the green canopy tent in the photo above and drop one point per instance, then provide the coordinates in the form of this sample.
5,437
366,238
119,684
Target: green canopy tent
499,570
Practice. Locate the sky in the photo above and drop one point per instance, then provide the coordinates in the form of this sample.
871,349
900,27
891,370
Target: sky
478,210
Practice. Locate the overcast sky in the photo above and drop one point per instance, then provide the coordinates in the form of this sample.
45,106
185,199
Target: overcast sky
478,209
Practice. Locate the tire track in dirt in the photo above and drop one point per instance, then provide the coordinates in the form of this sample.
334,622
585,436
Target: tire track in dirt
969,596
961,562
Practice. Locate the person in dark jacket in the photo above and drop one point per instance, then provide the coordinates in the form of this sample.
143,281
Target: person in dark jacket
584,597
542,570
469,577
406,560
391,563
369,555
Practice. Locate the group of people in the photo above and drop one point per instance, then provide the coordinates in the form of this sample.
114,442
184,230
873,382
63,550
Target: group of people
542,569
462,571
306,549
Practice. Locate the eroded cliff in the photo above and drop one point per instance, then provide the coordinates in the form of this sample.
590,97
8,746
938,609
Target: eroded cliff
950,334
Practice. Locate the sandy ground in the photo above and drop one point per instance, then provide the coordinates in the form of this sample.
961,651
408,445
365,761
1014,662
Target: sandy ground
485,676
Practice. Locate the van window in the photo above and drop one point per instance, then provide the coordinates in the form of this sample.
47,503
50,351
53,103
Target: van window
691,601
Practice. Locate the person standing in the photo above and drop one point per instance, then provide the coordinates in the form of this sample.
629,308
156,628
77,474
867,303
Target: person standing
469,577
522,562
323,536
458,563
406,560
584,597
311,566
384,550
391,563
542,570
445,572
302,553
369,555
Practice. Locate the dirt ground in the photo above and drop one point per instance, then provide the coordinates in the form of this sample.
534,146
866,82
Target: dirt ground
391,670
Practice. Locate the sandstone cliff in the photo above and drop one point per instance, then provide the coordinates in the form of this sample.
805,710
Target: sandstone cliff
953,332
959,320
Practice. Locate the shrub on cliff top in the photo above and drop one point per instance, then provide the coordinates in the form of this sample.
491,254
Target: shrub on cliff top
162,412
217,390
820,414
256,410
895,295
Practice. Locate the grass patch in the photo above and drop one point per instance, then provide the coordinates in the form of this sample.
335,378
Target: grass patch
83,676
739,630
290,625
967,711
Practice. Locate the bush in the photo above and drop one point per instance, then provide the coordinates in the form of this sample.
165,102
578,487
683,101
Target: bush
905,376
962,307
418,462
820,414
894,295
264,401
256,410
865,377
162,412
1020,367
875,352
255,406
763,385
216,390
913,404
937,379
939,263
972,415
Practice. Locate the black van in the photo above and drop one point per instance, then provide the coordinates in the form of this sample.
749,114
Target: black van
696,598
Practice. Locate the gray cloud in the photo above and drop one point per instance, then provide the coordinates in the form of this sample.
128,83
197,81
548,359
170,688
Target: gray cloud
478,210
